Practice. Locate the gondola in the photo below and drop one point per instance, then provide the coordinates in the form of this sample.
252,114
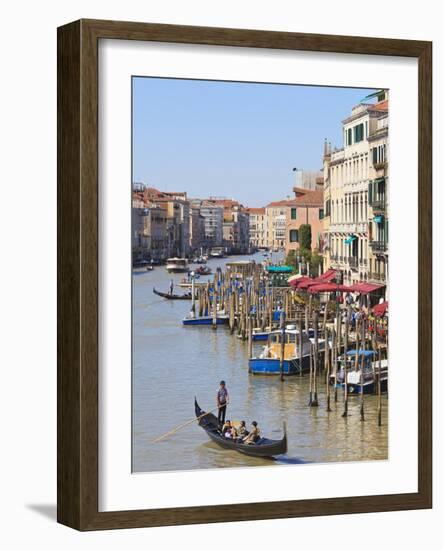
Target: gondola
264,448
172,296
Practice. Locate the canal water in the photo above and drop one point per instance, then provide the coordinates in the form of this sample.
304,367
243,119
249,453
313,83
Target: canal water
173,363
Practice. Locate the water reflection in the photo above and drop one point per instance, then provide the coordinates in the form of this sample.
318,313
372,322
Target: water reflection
173,363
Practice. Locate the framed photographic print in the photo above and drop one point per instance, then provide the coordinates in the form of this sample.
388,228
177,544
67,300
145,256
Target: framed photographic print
244,274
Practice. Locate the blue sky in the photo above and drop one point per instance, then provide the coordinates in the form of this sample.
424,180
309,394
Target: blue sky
236,140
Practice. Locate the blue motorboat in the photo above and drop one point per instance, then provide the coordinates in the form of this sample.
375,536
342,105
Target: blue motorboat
268,362
206,320
363,361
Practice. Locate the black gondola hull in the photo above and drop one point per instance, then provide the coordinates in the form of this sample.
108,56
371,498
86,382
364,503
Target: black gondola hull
265,448
172,296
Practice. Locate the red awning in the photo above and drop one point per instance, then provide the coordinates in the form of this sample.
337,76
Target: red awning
297,282
328,287
365,288
380,309
307,283
327,276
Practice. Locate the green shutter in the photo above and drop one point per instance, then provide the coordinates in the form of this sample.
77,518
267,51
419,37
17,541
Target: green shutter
370,193
293,213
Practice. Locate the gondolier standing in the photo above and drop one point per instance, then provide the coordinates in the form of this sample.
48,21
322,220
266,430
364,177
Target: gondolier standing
222,402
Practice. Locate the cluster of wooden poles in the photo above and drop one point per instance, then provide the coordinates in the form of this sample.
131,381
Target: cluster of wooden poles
245,295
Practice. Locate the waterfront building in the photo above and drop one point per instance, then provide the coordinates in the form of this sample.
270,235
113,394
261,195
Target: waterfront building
140,243
306,208
276,224
347,173
378,200
196,229
213,223
257,227
309,179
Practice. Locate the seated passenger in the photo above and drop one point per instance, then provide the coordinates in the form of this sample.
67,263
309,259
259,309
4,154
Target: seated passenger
242,432
226,426
253,436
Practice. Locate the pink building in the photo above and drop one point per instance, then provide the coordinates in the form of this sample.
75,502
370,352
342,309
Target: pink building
306,208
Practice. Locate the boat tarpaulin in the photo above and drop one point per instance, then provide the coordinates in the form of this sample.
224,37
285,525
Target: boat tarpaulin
365,288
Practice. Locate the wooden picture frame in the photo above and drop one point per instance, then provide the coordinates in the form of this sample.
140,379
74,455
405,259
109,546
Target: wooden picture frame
78,273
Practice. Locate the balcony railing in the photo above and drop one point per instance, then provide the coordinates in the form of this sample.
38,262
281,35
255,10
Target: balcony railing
363,262
380,277
379,205
353,261
379,246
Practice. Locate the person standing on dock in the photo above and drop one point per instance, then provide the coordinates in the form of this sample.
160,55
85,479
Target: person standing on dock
222,402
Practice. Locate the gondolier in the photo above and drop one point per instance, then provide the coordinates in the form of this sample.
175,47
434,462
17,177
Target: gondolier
222,402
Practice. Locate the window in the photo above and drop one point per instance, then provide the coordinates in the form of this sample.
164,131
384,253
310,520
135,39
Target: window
293,213
350,136
321,213
358,133
293,235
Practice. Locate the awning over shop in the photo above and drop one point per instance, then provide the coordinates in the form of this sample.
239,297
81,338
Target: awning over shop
304,285
350,239
327,276
380,309
378,219
294,277
328,287
365,288
296,282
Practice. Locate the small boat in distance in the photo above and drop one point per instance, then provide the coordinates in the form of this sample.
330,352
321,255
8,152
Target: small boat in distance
263,448
217,252
168,296
142,266
203,270
177,265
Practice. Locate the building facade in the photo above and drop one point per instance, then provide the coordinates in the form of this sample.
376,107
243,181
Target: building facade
378,201
276,224
257,228
348,217
306,209
213,223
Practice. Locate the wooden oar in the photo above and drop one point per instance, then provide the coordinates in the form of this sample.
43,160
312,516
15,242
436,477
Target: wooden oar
184,425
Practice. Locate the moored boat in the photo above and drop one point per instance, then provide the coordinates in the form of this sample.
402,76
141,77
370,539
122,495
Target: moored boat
264,447
221,319
358,364
294,361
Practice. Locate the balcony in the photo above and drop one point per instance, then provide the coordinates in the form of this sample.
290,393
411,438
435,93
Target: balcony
379,277
353,261
379,205
379,246
363,262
